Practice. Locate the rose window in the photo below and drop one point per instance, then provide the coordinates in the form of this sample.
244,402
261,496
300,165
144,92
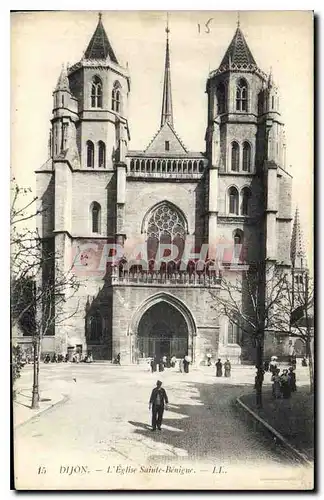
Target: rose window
165,220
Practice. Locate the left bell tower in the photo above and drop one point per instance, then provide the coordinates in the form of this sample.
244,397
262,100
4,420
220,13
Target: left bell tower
101,86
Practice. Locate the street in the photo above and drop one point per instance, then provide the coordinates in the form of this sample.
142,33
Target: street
101,435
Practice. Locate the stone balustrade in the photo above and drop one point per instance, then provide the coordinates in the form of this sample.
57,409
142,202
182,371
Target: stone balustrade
159,167
158,278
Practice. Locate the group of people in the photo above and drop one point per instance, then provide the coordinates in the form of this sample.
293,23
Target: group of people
283,384
227,368
219,366
61,358
160,364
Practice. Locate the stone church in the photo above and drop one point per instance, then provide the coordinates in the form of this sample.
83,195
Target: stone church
95,190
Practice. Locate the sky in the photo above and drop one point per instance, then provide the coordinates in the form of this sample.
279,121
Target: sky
281,40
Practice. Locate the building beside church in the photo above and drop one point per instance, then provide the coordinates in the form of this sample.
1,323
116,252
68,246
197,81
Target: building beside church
95,189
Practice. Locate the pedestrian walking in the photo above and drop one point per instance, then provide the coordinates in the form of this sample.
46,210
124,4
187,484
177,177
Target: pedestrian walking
276,386
161,365
153,365
186,364
156,403
209,357
219,368
181,365
227,368
284,385
173,361
273,365
292,379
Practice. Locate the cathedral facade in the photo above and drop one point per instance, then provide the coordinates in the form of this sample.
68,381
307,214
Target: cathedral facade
109,211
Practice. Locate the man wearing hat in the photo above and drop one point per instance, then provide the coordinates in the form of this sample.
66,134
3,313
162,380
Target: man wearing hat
157,400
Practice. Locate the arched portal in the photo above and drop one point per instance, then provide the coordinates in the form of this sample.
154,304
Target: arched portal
162,331
163,326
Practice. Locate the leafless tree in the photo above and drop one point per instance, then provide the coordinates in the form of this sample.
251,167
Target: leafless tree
299,307
55,307
252,302
34,262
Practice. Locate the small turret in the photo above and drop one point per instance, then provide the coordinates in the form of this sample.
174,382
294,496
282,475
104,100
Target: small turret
64,115
271,96
62,90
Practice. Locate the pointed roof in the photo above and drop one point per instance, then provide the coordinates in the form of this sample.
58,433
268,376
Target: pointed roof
166,134
167,112
297,249
63,81
99,46
238,51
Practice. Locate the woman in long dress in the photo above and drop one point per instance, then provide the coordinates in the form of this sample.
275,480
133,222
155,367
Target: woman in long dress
227,368
276,388
285,386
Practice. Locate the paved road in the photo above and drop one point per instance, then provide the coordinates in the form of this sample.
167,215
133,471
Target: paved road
106,422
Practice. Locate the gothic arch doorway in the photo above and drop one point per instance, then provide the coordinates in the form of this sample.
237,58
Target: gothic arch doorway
163,326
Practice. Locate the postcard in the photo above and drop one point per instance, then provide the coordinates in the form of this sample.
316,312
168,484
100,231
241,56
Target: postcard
161,250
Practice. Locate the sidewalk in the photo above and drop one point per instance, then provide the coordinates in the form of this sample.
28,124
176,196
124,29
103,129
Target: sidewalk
22,412
293,418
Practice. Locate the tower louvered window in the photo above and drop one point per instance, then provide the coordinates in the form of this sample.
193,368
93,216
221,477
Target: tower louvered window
233,201
221,99
95,215
90,154
101,154
96,93
116,98
246,157
241,96
235,157
246,196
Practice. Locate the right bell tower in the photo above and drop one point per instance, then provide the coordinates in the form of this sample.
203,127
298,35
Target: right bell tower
245,149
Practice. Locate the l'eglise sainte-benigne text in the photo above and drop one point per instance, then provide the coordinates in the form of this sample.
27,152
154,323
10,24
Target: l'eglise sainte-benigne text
169,469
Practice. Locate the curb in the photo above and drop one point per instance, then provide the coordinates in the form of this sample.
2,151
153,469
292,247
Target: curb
61,401
296,453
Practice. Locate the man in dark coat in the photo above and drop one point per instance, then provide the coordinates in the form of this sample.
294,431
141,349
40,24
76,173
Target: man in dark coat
157,400
292,379
186,364
219,366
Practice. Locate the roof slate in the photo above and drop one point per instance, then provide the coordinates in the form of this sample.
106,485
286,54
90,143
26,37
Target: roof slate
99,46
238,51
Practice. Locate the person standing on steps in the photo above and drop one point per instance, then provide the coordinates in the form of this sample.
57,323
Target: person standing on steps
156,403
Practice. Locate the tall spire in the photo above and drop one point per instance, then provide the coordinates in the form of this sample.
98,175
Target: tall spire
167,113
297,250
99,46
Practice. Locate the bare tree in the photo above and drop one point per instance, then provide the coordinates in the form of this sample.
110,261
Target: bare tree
252,302
55,307
35,264
299,306
24,250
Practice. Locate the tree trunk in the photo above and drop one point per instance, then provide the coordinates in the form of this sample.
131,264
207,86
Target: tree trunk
260,371
309,355
35,394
